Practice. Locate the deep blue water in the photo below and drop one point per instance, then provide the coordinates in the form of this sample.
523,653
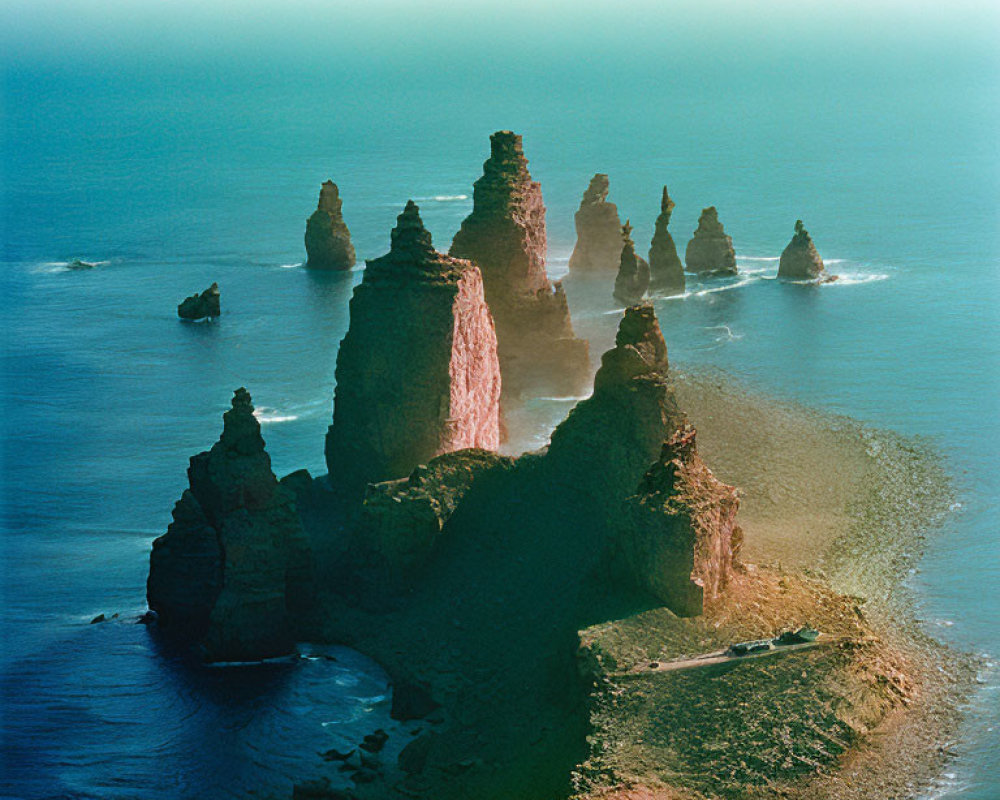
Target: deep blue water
173,177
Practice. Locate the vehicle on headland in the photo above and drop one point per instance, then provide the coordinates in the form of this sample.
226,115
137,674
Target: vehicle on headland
751,647
801,636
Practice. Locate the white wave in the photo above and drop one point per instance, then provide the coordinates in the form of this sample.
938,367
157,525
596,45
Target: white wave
63,266
758,258
728,336
737,285
682,296
614,311
267,415
566,398
855,278
290,659
441,198
290,266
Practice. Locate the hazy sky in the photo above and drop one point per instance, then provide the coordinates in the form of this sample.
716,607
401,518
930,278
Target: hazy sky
68,31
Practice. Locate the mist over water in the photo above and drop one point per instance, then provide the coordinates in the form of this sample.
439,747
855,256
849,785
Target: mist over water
176,151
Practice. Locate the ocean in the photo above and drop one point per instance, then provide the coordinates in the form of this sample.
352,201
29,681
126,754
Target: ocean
171,175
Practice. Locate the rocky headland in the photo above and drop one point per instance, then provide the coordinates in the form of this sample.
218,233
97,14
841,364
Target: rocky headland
505,237
328,241
632,280
199,306
598,230
230,571
710,251
418,372
800,261
666,273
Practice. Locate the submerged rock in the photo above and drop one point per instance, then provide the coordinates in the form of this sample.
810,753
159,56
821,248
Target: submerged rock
598,230
77,263
505,236
233,563
199,306
328,241
633,272
666,272
799,260
711,250
417,373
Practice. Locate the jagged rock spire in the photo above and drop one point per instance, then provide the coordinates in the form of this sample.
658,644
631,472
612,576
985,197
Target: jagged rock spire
598,230
410,235
241,430
633,272
800,260
666,273
328,241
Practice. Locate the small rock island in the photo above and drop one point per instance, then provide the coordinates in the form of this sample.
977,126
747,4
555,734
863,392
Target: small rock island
710,251
800,261
632,280
208,304
328,241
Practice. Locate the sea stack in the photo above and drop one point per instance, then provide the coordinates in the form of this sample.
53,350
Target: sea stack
666,273
328,242
418,372
598,230
800,261
633,272
711,251
200,306
231,563
505,236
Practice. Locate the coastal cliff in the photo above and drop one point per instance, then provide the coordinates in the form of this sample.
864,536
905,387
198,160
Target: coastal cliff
505,237
632,280
710,250
233,563
418,372
598,230
666,272
328,241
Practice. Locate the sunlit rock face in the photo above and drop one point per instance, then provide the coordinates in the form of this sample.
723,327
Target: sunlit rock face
230,570
711,250
505,236
799,260
598,230
632,280
328,241
666,273
418,372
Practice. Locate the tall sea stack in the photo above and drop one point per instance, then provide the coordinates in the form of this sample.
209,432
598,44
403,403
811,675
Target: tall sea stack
711,250
232,564
505,236
666,272
633,273
800,261
328,242
598,230
417,373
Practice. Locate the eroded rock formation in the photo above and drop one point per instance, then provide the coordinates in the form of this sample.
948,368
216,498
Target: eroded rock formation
633,272
799,260
228,571
598,230
328,241
666,272
199,306
417,373
711,250
679,536
505,236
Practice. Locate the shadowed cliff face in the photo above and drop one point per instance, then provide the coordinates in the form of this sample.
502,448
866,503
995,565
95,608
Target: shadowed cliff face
503,562
232,560
417,373
632,280
505,236
799,260
328,242
711,250
598,230
665,269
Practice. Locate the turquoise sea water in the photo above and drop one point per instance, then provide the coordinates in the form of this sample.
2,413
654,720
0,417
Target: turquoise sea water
174,175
